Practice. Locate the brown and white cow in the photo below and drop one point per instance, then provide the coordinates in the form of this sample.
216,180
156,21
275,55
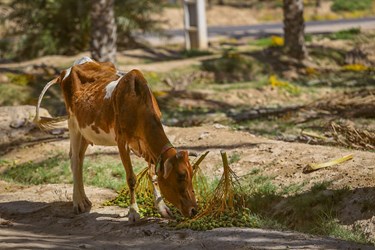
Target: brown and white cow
108,108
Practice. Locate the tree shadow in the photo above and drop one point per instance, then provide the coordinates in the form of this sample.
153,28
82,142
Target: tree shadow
54,225
312,211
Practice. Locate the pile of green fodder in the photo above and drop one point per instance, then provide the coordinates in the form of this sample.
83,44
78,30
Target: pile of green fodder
144,192
224,206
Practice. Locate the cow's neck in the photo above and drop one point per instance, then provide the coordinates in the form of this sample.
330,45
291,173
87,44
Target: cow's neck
161,147
167,151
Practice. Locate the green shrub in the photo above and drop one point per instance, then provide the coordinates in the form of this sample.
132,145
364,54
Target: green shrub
348,34
347,5
104,172
230,67
64,26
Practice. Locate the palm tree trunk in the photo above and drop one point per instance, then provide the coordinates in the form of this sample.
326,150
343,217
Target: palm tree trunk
294,29
103,31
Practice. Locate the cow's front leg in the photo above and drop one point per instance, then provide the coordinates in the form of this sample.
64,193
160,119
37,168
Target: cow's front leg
159,203
131,179
78,146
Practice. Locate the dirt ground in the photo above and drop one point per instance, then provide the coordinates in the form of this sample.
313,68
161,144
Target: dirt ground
42,217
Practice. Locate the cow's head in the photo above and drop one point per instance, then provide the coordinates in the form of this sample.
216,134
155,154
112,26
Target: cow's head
175,182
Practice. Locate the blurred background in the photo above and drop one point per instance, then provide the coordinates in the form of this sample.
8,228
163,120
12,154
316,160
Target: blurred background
257,62
248,62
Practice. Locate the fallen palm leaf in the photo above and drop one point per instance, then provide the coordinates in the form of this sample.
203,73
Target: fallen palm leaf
200,159
313,135
316,166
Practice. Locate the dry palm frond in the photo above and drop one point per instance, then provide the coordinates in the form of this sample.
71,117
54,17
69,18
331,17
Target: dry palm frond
197,162
314,135
199,179
354,104
144,184
316,166
225,207
346,134
224,197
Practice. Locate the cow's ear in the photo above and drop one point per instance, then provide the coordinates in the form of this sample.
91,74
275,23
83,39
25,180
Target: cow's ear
168,166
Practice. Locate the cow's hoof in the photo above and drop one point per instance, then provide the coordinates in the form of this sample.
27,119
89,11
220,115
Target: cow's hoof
164,210
133,215
82,205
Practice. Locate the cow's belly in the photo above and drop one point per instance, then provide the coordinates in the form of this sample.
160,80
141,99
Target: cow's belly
98,136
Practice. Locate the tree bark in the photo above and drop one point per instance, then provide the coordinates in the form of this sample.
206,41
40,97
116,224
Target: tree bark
103,31
294,29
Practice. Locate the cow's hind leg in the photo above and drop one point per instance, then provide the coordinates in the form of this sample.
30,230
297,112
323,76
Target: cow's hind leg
78,146
158,200
131,179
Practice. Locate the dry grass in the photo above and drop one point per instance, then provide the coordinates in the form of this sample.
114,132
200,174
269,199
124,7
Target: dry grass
348,135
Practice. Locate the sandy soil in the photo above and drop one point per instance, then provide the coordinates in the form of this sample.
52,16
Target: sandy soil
42,217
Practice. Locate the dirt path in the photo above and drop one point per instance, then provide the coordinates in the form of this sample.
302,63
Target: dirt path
41,216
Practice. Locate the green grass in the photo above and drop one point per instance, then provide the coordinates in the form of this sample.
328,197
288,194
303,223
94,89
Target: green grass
321,186
103,172
293,207
348,34
238,85
347,5
12,94
292,189
52,170
262,42
331,227
234,158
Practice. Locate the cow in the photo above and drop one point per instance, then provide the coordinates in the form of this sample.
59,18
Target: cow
106,107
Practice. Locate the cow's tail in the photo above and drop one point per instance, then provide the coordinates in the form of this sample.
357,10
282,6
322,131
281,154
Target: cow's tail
46,123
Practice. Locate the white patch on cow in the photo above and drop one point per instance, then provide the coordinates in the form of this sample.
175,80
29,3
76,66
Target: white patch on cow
67,73
83,60
110,88
80,61
101,138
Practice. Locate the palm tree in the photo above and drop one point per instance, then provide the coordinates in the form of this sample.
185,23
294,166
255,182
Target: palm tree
103,31
294,29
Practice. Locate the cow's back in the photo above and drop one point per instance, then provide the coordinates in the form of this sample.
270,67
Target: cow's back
84,88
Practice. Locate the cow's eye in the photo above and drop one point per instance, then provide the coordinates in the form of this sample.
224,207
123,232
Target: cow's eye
181,177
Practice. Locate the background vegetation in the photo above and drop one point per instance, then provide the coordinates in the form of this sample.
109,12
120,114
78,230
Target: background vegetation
40,27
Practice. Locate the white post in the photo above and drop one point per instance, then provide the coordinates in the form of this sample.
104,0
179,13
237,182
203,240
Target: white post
195,24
